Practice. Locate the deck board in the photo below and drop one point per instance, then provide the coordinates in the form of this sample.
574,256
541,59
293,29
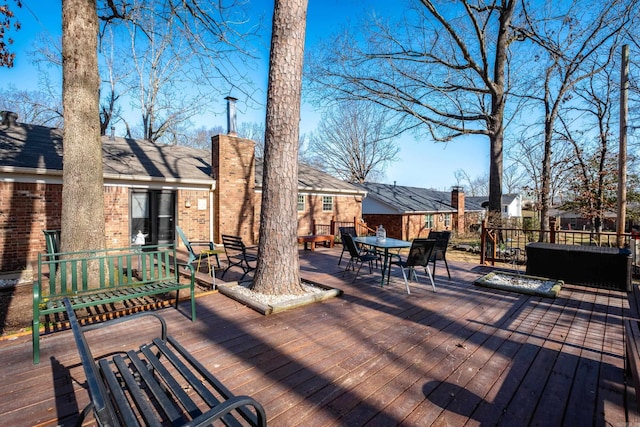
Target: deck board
375,356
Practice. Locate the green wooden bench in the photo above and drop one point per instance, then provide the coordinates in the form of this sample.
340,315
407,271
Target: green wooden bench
102,277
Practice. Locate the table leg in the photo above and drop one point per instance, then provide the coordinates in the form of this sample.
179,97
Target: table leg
384,265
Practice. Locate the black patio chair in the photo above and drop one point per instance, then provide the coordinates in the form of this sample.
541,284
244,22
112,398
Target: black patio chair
357,256
419,255
440,251
345,230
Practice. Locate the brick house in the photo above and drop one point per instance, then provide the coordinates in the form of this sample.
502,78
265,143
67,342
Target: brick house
149,187
411,212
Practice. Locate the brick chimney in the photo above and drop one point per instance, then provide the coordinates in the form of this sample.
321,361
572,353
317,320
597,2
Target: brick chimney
457,202
233,166
9,118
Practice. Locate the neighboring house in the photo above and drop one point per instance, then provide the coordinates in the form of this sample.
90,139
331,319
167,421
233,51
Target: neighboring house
511,204
572,220
410,212
148,187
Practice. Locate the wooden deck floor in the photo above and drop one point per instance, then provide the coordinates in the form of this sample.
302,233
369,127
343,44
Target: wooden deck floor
374,356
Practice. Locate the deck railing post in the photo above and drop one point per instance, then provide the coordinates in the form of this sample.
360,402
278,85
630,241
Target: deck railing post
483,242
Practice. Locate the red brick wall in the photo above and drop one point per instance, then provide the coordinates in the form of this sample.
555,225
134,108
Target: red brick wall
193,220
345,208
28,208
25,210
116,221
405,227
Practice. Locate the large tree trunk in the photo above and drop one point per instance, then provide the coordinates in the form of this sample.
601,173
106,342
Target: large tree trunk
278,268
82,192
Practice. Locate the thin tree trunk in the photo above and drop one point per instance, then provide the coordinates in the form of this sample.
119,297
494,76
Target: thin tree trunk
278,268
82,192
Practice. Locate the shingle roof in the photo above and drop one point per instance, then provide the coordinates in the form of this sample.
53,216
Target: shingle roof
409,199
38,148
312,179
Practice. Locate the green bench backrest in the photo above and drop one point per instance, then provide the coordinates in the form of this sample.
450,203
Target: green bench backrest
74,272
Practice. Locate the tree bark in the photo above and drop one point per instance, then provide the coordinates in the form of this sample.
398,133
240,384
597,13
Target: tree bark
278,267
83,189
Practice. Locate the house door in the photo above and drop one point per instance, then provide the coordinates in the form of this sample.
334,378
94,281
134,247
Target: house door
153,213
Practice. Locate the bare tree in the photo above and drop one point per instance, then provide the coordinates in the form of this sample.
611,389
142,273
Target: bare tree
82,175
201,137
514,179
442,69
354,142
594,175
474,187
278,267
570,37
32,106
255,132
527,151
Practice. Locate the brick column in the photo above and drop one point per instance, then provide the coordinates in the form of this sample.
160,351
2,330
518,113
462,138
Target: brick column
457,202
233,168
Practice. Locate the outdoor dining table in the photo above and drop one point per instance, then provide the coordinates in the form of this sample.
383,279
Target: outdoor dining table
385,245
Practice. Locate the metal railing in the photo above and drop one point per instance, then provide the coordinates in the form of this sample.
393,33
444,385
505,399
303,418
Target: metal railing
498,244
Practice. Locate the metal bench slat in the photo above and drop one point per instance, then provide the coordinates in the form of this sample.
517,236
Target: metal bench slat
195,382
118,395
215,383
158,392
173,385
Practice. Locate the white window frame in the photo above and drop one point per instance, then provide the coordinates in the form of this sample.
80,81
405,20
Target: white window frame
428,220
302,203
447,220
327,203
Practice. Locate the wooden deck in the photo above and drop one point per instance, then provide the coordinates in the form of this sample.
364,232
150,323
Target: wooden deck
375,356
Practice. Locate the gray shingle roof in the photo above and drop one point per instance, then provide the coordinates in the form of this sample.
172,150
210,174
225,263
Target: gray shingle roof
38,147
409,199
312,179
30,147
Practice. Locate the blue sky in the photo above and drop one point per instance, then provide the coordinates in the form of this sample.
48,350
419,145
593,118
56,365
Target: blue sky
422,163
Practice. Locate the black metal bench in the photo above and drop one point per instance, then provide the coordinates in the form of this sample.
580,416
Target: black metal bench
103,277
594,266
237,255
158,384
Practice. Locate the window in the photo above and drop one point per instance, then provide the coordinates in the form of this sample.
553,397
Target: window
447,220
428,221
300,203
327,203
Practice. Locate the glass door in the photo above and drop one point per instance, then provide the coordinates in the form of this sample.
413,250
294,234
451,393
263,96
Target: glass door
153,213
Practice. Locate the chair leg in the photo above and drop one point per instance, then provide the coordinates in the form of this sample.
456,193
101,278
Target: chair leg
428,271
446,265
341,253
357,272
406,282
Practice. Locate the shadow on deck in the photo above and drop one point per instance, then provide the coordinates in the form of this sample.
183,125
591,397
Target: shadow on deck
376,356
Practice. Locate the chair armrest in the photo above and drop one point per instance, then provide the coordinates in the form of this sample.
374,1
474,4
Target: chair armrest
229,405
208,243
